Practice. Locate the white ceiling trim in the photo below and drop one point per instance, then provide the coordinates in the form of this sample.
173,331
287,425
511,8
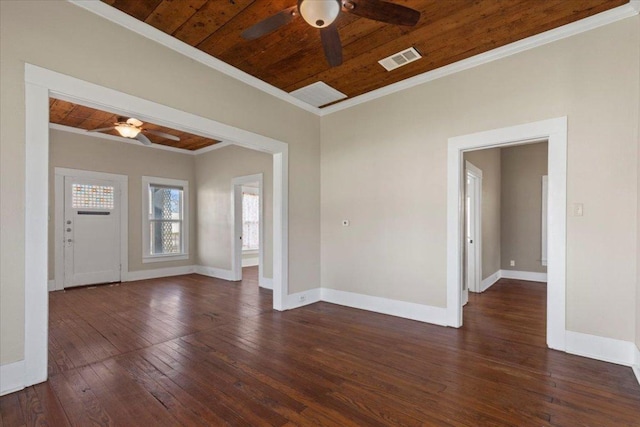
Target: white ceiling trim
590,23
136,142
130,23
116,16
211,148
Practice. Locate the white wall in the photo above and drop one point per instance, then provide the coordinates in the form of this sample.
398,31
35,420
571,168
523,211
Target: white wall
383,166
214,172
62,37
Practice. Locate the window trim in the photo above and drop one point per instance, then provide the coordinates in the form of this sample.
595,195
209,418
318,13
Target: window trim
147,257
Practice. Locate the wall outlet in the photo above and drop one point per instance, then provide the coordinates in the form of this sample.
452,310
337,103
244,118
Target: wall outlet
512,263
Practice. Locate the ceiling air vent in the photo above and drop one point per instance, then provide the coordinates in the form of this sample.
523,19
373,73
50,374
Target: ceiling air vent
318,94
399,59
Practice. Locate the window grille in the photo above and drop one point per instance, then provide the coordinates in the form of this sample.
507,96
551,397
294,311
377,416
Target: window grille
87,196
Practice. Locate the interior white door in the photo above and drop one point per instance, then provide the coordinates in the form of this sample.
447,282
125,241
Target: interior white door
91,231
470,237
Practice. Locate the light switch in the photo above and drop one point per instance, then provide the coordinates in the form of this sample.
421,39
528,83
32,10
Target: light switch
578,209
345,222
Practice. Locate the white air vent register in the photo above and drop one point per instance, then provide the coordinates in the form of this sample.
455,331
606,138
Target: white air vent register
399,59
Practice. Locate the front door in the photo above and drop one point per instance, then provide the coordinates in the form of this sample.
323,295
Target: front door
91,231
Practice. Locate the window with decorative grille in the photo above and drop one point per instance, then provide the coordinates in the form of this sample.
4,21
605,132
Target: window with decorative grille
165,217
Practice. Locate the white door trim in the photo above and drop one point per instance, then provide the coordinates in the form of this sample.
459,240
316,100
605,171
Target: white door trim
555,132
236,215
40,83
58,218
477,173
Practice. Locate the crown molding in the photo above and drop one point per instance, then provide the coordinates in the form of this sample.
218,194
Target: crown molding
607,17
137,143
217,146
120,18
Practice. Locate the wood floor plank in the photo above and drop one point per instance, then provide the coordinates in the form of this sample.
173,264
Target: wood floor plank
194,350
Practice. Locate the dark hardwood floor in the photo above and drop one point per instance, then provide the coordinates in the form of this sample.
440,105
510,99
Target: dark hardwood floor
192,350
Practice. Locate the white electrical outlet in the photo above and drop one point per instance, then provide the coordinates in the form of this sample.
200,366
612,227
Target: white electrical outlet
512,263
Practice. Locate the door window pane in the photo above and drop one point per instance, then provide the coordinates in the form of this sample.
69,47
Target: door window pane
86,196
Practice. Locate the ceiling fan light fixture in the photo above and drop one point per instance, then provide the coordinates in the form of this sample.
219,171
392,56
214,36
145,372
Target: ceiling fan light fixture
127,131
319,13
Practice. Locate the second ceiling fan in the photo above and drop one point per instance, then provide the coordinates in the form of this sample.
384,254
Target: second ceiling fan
322,14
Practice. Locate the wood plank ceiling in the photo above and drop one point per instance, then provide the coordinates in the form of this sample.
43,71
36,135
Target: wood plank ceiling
292,56
82,117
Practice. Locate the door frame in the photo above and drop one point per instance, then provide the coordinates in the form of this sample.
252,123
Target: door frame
555,132
236,215
58,218
40,84
471,169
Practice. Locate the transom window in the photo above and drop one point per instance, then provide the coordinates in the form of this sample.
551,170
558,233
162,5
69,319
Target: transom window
165,219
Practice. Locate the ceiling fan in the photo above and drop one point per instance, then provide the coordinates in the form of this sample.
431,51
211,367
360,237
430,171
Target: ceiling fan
132,128
322,14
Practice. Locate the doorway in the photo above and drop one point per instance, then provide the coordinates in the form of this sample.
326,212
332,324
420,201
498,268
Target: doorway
40,85
555,132
248,226
90,244
473,231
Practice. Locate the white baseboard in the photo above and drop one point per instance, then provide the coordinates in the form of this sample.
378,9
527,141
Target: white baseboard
407,310
265,282
51,284
218,273
157,272
636,367
523,275
11,377
601,348
250,262
303,298
489,281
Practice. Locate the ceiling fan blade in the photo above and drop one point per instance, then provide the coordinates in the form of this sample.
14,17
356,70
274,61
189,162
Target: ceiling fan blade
140,137
102,129
270,24
331,44
162,134
383,11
